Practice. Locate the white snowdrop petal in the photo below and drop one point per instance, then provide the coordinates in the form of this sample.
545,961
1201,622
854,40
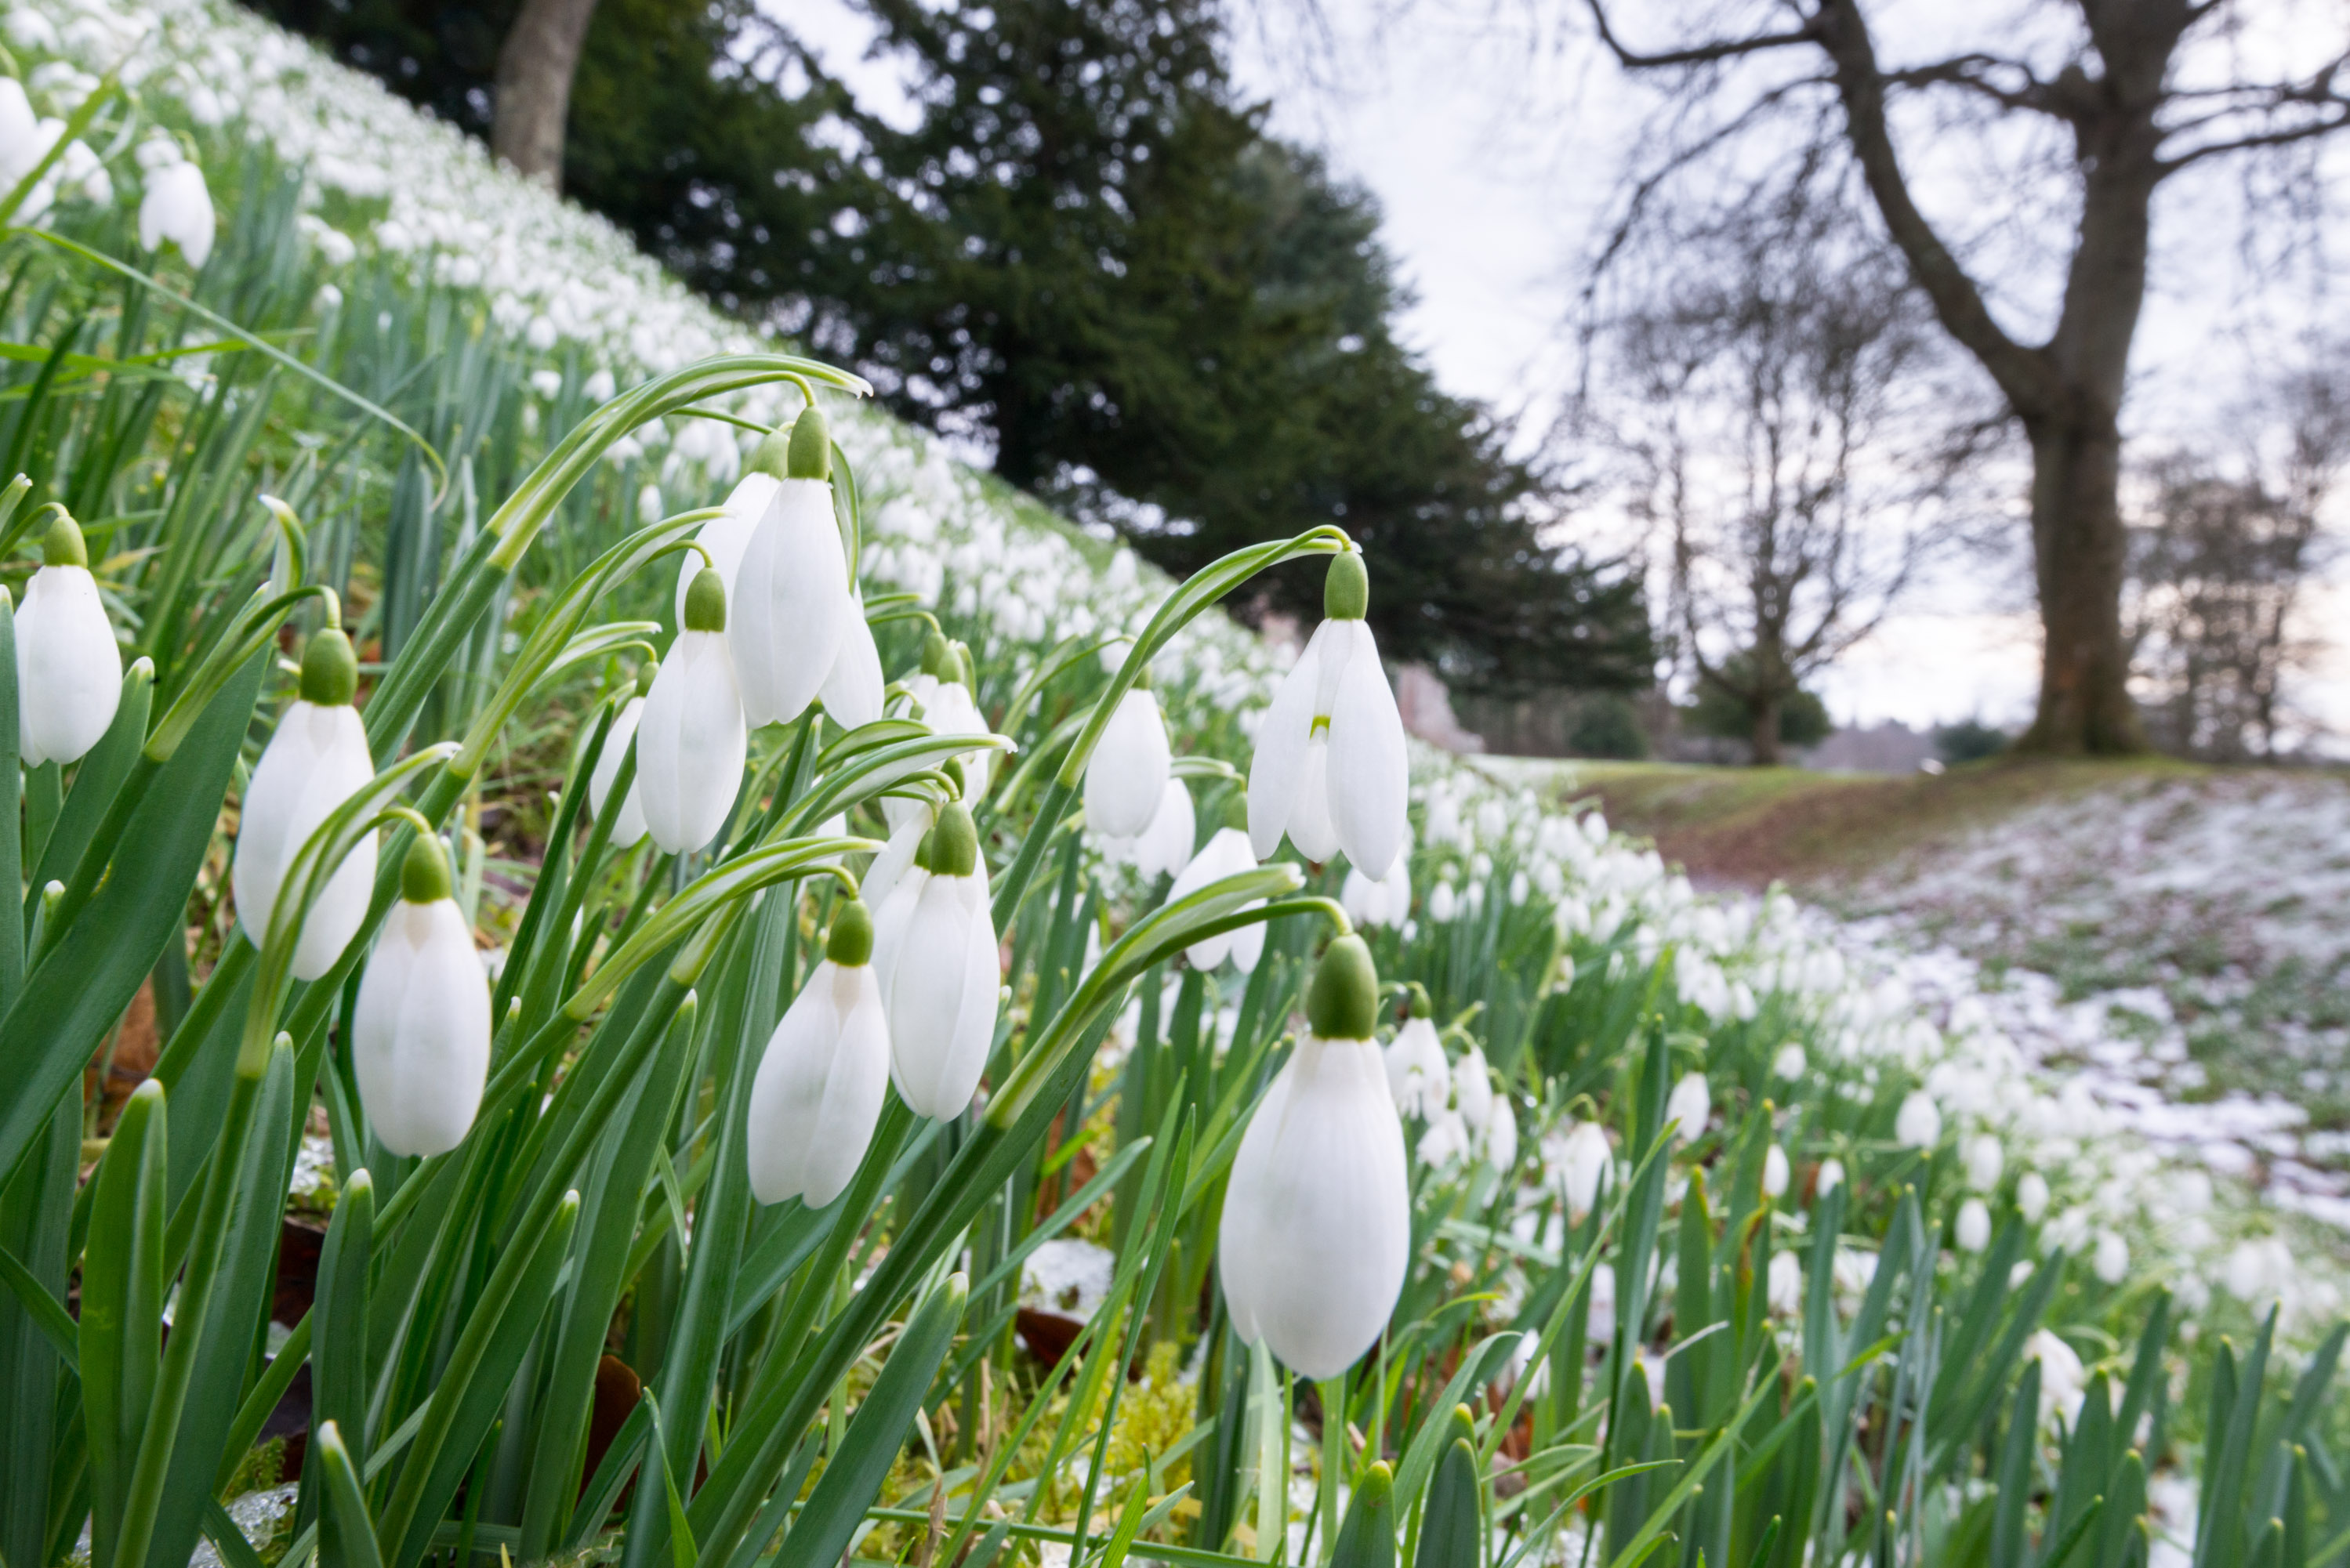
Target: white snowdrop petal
420,1033
817,1094
1126,776
691,744
1310,827
851,692
727,536
630,826
1369,767
1278,769
792,604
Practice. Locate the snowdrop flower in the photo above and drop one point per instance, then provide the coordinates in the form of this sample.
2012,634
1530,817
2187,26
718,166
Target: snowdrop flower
1831,1177
1775,1172
725,537
1472,1089
1985,1158
1225,855
935,955
1973,1226
1419,1077
316,759
68,666
1378,901
817,1094
1317,1217
629,827
2111,1260
792,604
691,737
177,207
1330,769
1789,1063
2063,1379
1497,1144
1918,1123
1689,1105
1784,1290
1580,1160
2031,1195
420,1033
942,688
1443,903
1447,1139
1126,776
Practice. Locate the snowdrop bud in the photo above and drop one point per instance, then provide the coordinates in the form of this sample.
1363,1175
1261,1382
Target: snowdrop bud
1918,1123
1472,1089
68,666
2111,1258
1689,1105
1784,1292
817,1094
2063,1379
1831,1177
1775,1172
630,826
1498,1143
1317,1224
420,1033
692,741
1985,1158
1789,1063
2031,1197
1126,774
792,602
1973,1226
179,208
935,955
1443,903
1331,770
316,759
1227,854
1419,1076
1582,1161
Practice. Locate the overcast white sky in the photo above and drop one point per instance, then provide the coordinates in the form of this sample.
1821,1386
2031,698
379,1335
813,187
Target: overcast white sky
1494,136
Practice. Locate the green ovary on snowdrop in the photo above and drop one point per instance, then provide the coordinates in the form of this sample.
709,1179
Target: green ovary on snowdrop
1331,770
68,666
316,759
420,1033
1316,1227
818,1090
691,739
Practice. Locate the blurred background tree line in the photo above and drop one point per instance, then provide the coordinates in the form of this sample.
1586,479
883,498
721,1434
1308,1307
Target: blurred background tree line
1084,256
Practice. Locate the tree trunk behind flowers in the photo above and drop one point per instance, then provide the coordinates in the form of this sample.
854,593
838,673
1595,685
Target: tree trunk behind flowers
534,90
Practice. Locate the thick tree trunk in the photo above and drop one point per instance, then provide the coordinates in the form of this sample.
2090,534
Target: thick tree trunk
1764,711
2080,557
535,66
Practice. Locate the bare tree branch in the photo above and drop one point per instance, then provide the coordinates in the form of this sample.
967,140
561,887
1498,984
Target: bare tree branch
1698,55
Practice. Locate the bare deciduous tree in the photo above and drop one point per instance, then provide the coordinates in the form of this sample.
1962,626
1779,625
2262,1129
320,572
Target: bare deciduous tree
1779,398
2135,91
2220,567
535,66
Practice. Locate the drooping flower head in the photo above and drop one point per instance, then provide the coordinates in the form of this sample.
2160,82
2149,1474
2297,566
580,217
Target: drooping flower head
1316,1227
421,1031
793,602
818,1090
935,955
316,759
68,666
692,742
1330,770
1126,776
1226,854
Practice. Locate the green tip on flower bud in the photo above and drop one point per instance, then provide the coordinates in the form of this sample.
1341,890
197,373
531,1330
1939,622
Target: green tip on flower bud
851,941
1346,591
330,671
646,673
424,874
937,656
1344,1003
1464,1426
1377,1485
772,456
950,848
953,770
810,454
62,545
705,601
